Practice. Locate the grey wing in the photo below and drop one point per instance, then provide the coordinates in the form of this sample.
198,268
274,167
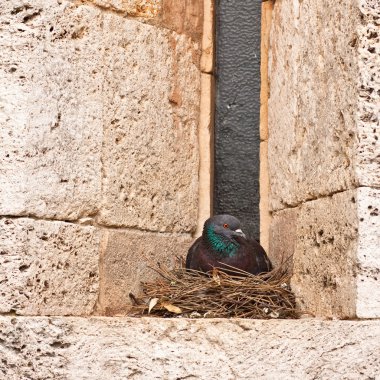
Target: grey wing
265,263
191,252
262,258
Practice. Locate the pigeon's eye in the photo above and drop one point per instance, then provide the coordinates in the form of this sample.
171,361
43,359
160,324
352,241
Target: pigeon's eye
225,225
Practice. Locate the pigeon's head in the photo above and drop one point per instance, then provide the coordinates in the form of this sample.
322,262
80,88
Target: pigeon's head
221,230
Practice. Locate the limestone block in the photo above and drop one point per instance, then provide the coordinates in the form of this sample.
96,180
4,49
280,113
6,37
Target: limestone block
335,246
368,256
50,109
184,16
33,348
152,348
325,256
95,103
150,154
368,149
283,237
314,96
125,259
140,8
48,268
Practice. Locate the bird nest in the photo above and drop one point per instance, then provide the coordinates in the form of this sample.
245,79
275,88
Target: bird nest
192,294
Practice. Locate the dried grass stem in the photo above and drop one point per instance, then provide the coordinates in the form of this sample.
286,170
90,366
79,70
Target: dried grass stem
239,294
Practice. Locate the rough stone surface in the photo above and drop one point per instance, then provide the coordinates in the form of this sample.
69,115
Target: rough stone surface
314,95
335,246
150,152
125,259
283,236
140,8
50,109
48,268
184,17
368,255
325,256
100,116
368,150
324,150
119,348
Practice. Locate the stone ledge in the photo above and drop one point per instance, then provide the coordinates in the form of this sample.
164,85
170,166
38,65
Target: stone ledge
119,348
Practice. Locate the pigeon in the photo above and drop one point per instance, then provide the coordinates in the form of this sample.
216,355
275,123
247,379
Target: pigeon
223,242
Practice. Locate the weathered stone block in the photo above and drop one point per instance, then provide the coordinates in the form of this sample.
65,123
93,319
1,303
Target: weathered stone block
139,8
125,258
119,348
150,153
33,348
48,268
184,17
336,253
325,256
97,104
368,255
51,110
322,126
283,237
368,147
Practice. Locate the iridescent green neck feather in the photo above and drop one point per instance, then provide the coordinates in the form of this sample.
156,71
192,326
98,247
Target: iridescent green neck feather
218,244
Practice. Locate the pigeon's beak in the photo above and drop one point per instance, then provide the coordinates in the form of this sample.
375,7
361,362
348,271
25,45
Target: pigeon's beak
239,232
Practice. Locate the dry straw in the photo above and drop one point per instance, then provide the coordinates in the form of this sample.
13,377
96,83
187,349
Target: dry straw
189,293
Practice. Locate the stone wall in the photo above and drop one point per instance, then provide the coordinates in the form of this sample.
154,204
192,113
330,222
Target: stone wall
324,152
105,147
100,104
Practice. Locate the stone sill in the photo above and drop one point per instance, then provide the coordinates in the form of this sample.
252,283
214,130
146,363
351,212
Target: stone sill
153,348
